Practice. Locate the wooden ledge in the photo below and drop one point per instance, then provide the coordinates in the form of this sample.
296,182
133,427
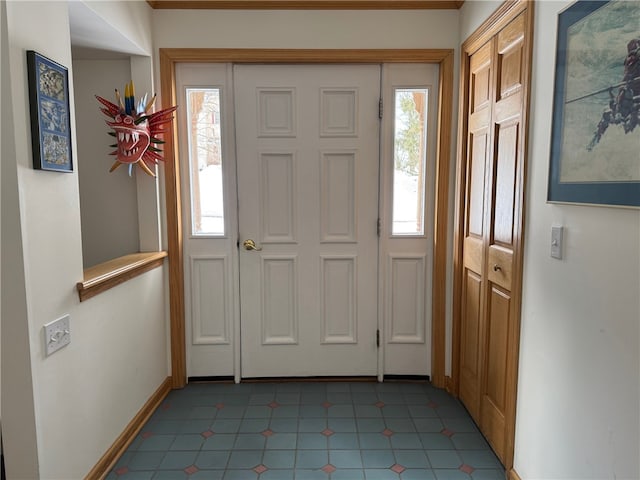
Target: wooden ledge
107,275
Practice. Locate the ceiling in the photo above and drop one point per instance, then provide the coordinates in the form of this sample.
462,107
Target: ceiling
95,39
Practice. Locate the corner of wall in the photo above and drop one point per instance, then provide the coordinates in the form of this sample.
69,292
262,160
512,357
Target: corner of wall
119,337
17,406
131,19
148,188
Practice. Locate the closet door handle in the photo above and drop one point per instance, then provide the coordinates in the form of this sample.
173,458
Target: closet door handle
497,268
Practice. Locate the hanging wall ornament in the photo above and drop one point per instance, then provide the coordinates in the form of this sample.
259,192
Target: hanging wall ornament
136,130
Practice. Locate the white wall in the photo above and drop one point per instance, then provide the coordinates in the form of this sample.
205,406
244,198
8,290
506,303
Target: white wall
473,13
18,413
578,393
108,201
117,357
306,29
18,427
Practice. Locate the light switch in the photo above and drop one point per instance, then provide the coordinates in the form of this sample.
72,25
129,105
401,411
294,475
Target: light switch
57,334
556,241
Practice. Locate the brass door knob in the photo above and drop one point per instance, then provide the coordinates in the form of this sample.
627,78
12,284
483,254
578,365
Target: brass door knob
250,245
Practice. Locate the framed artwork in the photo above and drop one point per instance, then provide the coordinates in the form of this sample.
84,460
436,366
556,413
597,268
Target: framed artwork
49,111
595,142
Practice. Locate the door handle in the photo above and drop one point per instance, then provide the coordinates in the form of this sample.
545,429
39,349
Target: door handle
497,268
250,245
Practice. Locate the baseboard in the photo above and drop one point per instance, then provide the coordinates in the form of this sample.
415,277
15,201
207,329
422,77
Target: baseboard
3,474
448,384
111,456
513,475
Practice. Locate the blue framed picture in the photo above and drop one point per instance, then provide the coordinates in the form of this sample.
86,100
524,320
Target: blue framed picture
595,143
49,111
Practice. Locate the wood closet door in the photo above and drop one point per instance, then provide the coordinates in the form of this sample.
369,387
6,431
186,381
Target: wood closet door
490,318
478,155
502,316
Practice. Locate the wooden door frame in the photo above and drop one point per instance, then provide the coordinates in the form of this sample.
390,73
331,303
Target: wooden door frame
498,20
169,57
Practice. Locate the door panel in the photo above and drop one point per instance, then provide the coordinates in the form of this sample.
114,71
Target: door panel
406,298
473,254
494,393
497,328
480,80
470,346
479,142
477,169
277,206
500,268
338,299
504,172
338,197
279,300
510,42
307,145
210,307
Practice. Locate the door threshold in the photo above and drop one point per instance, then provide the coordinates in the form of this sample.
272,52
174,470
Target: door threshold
408,378
211,379
333,379
310,379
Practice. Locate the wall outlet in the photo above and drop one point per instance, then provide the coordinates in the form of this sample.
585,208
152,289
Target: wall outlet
57,334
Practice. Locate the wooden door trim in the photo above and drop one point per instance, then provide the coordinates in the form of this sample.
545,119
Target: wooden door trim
307,4
508,11
169,57
301,56
496,22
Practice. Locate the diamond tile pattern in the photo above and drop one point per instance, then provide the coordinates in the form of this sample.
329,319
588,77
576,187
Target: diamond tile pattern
309,430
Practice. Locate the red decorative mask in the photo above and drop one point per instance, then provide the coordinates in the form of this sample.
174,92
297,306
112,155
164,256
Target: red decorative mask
133,140
135,130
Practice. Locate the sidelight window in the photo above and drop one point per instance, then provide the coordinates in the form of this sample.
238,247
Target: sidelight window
205,161
410,159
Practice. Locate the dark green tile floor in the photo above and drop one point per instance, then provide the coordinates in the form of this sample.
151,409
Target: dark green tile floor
309,431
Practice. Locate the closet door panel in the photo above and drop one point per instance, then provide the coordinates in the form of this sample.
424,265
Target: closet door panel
492,421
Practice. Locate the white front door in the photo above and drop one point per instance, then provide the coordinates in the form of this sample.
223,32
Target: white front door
288,157
307,141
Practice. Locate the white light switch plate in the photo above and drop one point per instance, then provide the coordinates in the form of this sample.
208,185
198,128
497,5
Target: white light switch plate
57,334
557,234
